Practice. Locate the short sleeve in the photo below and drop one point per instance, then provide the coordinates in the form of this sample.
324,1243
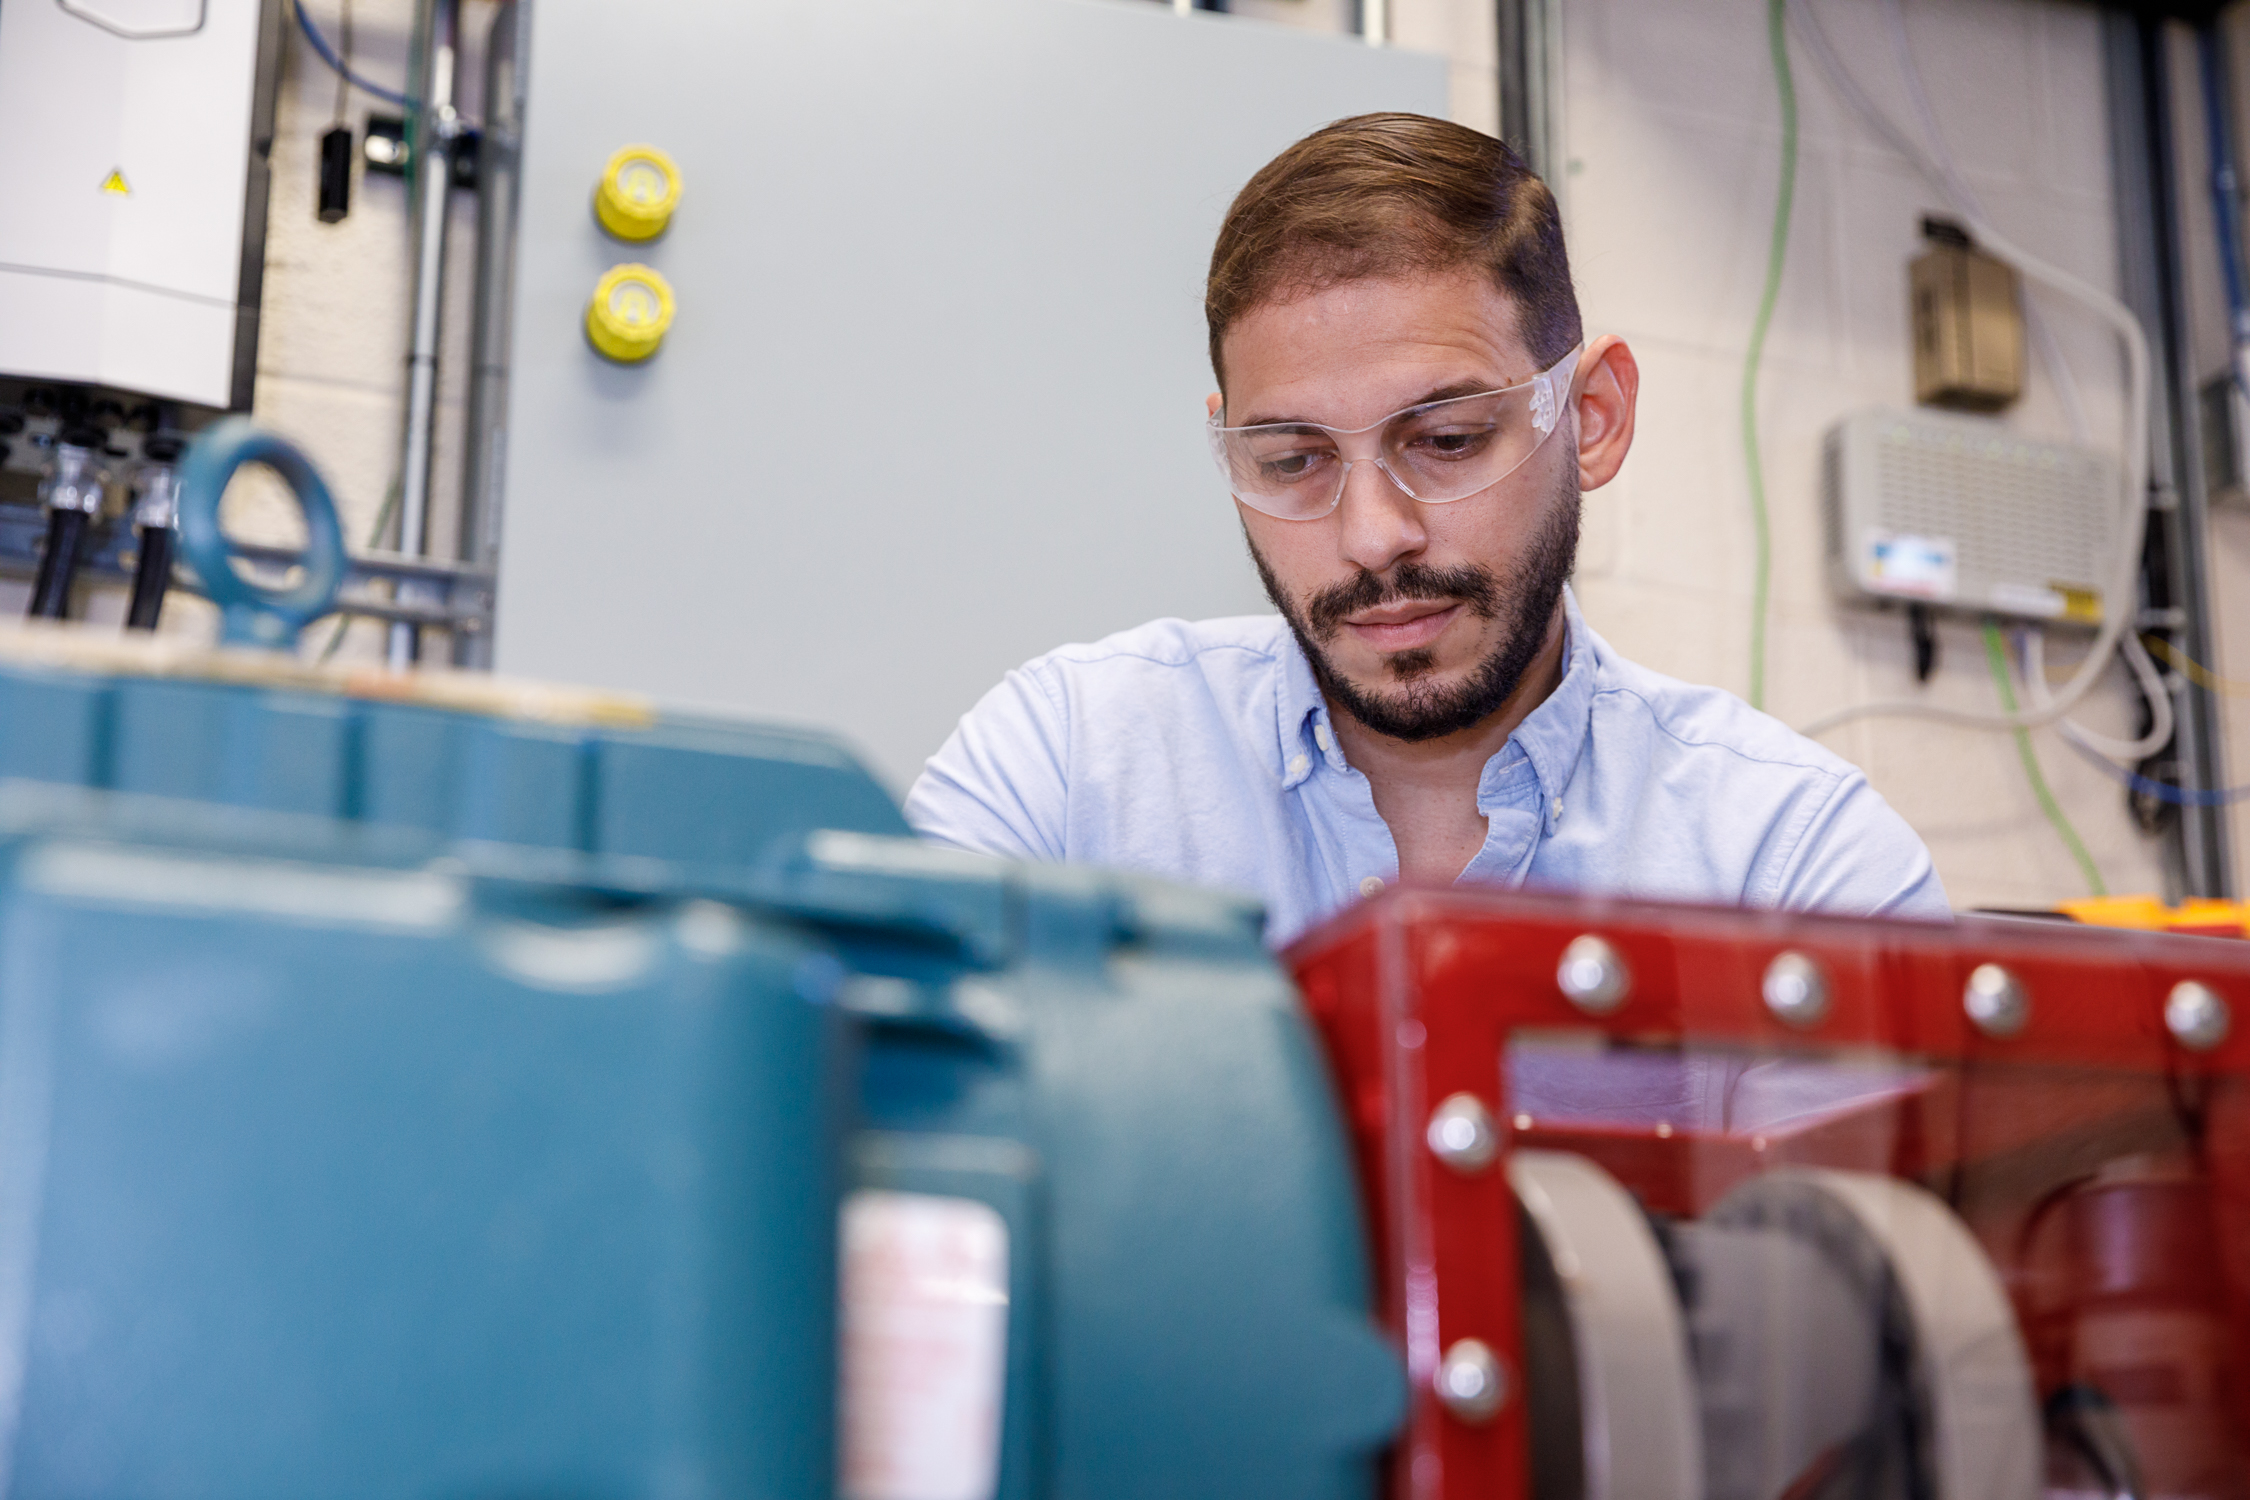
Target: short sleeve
1858,857
1000,784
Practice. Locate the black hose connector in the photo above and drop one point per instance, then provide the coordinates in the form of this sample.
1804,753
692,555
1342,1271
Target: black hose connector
58,564
335,174
152,576
72,490
156,515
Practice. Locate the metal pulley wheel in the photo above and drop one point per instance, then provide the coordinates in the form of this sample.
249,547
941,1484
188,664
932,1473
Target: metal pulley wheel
1816,1333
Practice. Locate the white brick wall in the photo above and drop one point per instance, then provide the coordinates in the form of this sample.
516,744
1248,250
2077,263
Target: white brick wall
1671,152
332,346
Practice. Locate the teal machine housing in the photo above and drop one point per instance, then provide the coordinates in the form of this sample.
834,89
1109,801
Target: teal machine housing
325,1171
405,1099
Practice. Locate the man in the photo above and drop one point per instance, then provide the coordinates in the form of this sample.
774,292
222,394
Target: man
1406,417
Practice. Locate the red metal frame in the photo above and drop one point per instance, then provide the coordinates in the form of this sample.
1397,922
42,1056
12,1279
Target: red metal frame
1418,993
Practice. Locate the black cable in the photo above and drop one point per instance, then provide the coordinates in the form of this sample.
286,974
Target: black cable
152,575
155,521
1921,628
58,564
2162,791
73,494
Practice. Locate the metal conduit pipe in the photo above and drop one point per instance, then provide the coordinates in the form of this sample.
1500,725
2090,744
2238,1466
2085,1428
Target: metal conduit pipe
497,178
1523,29
437,123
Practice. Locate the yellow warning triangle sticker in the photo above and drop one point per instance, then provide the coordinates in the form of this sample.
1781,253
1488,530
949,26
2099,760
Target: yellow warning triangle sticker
115,183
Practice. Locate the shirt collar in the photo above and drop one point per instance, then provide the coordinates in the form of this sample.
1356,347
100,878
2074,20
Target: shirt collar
1303,721
1551,737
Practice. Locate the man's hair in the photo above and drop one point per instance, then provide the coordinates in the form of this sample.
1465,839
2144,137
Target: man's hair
1391,195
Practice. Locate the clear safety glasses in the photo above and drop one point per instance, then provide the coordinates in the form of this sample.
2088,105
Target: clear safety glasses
1436,452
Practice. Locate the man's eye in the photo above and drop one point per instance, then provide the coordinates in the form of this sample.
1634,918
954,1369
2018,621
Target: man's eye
1289,467
1453,443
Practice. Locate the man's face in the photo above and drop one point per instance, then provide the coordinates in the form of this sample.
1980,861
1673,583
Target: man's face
1419,620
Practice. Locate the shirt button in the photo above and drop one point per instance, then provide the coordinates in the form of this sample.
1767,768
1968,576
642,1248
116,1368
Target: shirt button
1558,807
1299,764
1371,886
1320,735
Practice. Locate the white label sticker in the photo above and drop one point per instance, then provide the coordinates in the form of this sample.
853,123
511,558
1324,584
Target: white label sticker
925,1352
1918,567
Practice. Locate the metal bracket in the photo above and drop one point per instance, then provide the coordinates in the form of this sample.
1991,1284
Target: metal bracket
377,585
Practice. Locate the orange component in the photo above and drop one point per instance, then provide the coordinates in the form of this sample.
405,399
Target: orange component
2196,916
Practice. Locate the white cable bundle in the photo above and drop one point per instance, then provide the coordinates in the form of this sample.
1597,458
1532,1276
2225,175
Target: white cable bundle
2119,618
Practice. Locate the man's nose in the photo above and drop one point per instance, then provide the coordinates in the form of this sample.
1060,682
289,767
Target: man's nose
1380,522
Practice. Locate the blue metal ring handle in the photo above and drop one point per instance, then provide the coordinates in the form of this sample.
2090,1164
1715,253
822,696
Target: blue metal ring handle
250,615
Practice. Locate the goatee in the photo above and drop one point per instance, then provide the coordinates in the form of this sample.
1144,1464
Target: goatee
1525,601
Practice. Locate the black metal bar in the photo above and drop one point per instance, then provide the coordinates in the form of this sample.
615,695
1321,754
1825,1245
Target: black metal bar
1521,30
250,277
2174,581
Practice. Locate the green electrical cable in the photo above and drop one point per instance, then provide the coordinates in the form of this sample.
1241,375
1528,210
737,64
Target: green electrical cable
1996,652
1777,36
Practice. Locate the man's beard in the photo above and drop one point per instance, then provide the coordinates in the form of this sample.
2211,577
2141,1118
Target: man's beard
1417,709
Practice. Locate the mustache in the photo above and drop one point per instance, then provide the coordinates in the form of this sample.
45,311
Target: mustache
1473,587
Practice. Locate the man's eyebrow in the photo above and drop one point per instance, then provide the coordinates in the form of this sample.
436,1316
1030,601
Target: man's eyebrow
1450,392
1454,391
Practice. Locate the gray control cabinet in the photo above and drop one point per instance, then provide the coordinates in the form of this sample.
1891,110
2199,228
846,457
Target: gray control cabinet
933,400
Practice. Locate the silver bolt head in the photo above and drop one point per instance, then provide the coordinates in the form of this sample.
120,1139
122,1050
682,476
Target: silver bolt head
1592,976
1461,1134
1471,1382
1995,1001
2197,1016
1795,990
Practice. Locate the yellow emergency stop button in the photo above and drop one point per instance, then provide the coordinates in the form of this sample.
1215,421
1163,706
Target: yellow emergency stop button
639,189
631,310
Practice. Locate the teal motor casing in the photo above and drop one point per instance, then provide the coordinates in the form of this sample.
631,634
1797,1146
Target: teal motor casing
408,1088
1118,1069
538,774
329,1167
360,1163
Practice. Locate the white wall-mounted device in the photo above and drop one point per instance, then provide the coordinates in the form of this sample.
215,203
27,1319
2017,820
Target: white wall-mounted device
1963,513
133,137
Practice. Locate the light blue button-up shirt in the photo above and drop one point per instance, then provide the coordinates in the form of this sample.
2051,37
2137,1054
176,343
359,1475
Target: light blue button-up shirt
1203,751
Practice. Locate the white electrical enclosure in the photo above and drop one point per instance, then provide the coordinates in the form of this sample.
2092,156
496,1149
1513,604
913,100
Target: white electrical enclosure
132,167
933,401
1961,512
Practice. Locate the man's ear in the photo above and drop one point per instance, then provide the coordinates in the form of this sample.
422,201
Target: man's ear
1212,403
1609,386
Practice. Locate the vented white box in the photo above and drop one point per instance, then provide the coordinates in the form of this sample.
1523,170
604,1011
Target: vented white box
1963,513
132,174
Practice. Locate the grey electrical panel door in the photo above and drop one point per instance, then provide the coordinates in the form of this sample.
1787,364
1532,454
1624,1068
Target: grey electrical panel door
933,400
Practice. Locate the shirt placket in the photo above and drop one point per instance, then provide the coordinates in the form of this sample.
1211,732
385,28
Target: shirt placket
1369,859
1513,803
